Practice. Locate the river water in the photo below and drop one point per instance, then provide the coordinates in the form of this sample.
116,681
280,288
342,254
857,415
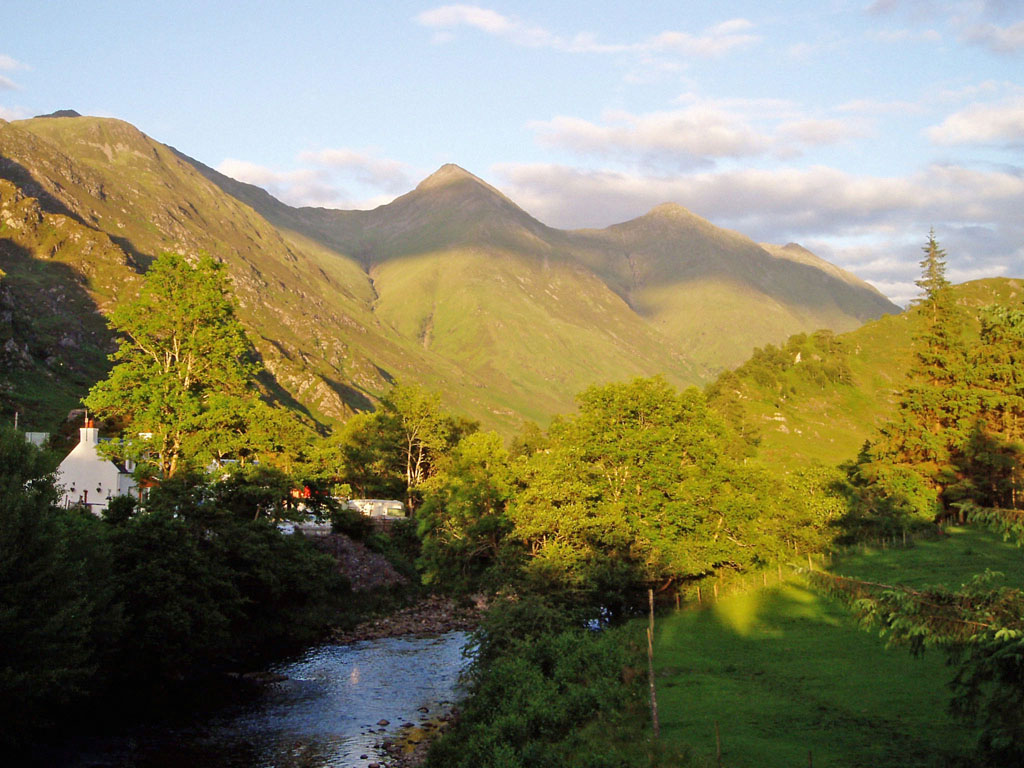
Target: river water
323,710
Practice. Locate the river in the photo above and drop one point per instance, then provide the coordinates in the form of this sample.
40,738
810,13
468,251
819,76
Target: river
324,709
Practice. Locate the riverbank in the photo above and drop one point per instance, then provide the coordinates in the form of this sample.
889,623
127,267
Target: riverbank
433,615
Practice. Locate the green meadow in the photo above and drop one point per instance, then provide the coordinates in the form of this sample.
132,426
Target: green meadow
791,679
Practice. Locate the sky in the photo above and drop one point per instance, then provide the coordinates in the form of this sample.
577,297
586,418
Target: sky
852,127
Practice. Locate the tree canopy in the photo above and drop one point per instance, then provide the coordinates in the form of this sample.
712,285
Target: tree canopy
185,373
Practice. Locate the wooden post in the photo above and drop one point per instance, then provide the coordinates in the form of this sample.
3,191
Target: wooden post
780,571
718,746
650,666
716,591
810,565
698,595
764,578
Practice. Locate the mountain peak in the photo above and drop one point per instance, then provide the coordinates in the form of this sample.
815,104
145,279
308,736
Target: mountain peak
670,211
447,174
61,113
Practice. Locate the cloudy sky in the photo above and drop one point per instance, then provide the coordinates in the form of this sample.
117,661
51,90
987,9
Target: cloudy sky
849,126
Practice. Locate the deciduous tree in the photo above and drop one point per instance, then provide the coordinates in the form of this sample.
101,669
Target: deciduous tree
184,369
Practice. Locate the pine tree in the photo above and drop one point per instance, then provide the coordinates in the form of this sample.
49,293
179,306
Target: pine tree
933,276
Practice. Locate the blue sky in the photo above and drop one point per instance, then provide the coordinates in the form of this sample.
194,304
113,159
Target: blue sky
851,127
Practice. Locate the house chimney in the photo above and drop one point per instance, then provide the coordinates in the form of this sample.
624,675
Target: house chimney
89,433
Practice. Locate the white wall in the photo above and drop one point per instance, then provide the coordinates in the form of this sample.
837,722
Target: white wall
88,478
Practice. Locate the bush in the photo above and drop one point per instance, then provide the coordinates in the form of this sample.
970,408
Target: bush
351,523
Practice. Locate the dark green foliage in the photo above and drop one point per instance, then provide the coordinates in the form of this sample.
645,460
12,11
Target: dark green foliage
392,452
989,693
885,499
288,591
957,436
463,521
548,695
179,601
352,523
645,487
119,510
141,601
47,658
256,492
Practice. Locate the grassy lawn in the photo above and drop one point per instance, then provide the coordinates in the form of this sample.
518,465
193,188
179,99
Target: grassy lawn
790,678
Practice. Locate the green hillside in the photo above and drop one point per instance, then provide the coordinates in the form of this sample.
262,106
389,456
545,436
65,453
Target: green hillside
451,285
820,396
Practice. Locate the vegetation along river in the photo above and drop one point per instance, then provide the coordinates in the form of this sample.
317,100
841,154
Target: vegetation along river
327,708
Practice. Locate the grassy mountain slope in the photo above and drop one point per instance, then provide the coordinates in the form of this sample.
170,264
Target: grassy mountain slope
55,275
695,283
700,285
309,310
452,284
819,396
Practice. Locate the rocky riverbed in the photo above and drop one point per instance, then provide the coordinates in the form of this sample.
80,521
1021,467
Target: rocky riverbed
434,615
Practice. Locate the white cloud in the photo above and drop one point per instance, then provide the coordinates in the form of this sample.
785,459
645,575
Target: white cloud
698,133
387,175
907,35
873,107
714,41
999,39
328,178
449,17
684,137
14,113
990,124
977,22
711,42
8,64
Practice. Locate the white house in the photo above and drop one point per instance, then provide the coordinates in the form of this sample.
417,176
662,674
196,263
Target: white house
89,479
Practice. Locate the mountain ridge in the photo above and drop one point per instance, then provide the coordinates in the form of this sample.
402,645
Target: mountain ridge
451,284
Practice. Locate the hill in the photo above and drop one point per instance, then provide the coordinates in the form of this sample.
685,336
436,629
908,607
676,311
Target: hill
820,396
451,285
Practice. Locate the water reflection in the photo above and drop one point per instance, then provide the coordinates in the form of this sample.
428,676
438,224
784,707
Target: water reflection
328,709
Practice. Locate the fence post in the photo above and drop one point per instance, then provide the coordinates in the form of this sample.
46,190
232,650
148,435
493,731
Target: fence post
650,665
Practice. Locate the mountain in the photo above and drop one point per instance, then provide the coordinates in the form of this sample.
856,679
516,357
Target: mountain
452,285
695,283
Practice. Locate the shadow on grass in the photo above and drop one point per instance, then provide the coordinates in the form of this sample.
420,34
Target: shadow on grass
788,676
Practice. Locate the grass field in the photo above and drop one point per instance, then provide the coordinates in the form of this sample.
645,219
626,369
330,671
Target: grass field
791,680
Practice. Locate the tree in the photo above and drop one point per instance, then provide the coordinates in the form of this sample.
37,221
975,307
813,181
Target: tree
933,276
462,521
184,367
425,431
638,488
940,401
393,451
